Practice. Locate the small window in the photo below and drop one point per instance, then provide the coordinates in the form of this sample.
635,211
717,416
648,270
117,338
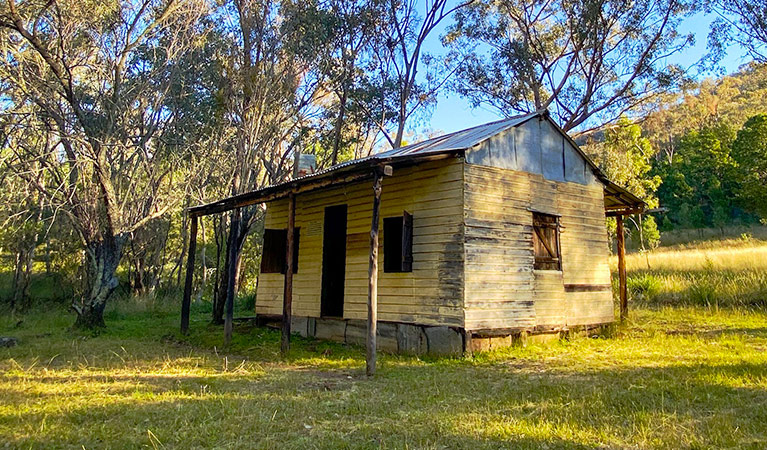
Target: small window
546,242
273,257
398,243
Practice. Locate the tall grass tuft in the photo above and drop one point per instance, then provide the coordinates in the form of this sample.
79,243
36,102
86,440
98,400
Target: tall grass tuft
732,273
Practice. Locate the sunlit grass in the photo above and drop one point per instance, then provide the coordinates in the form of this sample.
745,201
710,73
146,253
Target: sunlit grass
728,273
730,258
672,378
682,373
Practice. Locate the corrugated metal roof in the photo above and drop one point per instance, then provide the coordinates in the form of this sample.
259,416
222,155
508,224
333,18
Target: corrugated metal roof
459,140
456,141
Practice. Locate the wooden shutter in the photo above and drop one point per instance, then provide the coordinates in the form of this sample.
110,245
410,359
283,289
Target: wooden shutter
273,255
546,242
407,242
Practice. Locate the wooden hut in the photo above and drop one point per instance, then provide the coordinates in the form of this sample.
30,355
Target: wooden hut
485,234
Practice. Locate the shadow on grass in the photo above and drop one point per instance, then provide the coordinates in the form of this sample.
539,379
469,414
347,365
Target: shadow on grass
429,406
317,398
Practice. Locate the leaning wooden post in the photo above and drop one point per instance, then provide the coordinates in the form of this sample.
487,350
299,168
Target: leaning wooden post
186,302
378,175
622,269
287,297
233,230
373,276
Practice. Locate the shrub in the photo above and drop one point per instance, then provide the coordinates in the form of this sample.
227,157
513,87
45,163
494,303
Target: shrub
703,292
643,287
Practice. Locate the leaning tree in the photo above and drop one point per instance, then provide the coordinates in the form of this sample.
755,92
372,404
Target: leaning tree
94,75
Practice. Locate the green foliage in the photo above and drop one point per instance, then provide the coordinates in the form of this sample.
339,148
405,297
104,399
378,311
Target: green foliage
742,23
750,152
646,235
522,56
694,132
625,156
644,287
49,290
700,180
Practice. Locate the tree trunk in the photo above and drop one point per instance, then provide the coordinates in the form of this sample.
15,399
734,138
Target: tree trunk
218,310
91,316
17,273
30,256
339,126
242,233
203,263
21,277
102,258
47,254
217,277
218,305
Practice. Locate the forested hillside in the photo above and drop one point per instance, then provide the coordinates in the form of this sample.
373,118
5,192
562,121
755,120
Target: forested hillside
697,153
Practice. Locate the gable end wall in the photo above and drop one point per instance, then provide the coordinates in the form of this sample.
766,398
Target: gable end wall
533,168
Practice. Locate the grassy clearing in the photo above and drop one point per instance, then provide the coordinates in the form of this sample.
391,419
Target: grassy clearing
713,237
728,273
685,376
675,378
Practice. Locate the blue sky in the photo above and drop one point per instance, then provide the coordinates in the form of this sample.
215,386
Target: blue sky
455,113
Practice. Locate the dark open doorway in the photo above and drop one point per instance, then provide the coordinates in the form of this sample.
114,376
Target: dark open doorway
333,261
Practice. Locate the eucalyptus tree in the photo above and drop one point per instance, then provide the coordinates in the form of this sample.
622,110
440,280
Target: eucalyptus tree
402,58
270,99
78,71
750,152
588,61
742,22
21,219
338,37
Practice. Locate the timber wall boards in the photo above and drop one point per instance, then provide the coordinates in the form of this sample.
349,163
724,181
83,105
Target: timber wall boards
501,288
533,168
432,294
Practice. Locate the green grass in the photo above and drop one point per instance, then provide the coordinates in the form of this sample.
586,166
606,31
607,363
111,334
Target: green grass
673,378
728,273
689,370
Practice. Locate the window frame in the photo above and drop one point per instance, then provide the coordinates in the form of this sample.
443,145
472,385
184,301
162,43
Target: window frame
398,254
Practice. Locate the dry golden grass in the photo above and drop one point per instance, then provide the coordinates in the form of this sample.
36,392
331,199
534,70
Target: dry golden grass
727,273
725,257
